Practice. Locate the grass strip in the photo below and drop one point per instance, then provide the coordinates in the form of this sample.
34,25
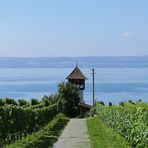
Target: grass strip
102,136
46,137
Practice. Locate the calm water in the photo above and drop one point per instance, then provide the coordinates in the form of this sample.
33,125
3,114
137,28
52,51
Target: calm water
112,84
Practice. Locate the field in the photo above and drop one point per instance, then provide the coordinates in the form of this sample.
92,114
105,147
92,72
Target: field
38,123
103,136
22,121
25,122
129,119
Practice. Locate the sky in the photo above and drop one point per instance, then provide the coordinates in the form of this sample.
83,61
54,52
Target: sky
53,28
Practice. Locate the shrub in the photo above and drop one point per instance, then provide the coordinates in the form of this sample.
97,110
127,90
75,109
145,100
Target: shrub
10,101
110,104
68,99
2,102
34,101
22,102
101,103
48,100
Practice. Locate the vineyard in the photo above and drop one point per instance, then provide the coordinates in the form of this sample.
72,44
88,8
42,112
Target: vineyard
130,120
20,119
45,137
17,122
23,122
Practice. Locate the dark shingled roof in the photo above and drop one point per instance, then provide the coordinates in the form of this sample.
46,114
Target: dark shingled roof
76,74
83,105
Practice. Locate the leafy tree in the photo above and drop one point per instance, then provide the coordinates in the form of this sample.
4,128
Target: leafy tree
110,104
130,101
10,101
68,99
139,101
101,103
2,102
34,101
45,100
121,103
49,100
22,102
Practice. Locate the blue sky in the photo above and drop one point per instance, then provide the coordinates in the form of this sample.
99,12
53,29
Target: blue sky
49,28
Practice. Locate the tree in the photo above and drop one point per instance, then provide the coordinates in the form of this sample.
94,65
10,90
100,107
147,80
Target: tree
34,101
68,99
49,100
22,102
10,101
101,103
110,104
45,100
2,103
131,102
121,103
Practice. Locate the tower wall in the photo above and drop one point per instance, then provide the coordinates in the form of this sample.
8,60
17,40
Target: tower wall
81,96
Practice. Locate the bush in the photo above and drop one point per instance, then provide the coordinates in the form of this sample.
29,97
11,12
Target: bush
49,100
34,101
2,103
22,102
130,101
121,103
101,103
68,99
110,104
10,101
92,111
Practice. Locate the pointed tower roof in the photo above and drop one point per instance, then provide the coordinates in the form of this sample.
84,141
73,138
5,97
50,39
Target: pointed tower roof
76,74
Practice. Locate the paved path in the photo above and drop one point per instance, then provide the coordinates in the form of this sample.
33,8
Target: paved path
74,135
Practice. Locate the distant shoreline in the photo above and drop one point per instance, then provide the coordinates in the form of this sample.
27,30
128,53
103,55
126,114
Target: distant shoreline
68,62
120,56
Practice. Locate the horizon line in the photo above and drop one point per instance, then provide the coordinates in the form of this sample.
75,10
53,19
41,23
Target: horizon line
71,56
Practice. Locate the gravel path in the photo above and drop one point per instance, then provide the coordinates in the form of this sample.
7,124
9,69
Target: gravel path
74,135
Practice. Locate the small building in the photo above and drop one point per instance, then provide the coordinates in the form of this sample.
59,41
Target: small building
77,78
84,108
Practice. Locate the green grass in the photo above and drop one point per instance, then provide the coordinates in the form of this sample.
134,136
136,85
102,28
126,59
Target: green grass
102,136
44,138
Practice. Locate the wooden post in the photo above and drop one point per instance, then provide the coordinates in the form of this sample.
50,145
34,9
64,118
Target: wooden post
93,73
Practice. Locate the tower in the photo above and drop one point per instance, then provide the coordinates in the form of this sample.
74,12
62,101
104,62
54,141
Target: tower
77,78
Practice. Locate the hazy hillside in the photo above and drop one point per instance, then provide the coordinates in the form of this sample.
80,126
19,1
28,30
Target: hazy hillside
57,62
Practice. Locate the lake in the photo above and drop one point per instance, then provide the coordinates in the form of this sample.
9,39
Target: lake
111,84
